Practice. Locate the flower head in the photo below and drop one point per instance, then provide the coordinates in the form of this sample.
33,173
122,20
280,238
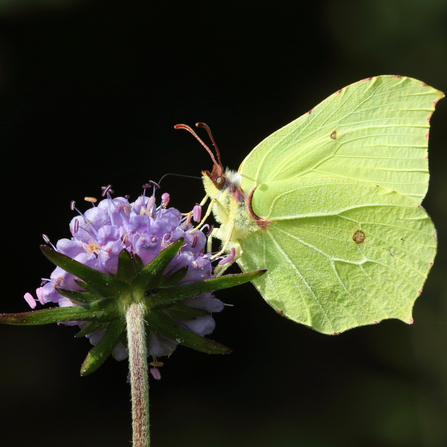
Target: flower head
141,228
122,253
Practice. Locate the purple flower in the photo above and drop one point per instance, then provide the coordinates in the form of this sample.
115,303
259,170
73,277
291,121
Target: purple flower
133,268
143,229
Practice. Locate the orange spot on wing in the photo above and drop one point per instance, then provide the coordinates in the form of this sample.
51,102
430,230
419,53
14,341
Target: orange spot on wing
359,237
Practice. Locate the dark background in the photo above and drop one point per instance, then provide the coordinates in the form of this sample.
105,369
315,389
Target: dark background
89,94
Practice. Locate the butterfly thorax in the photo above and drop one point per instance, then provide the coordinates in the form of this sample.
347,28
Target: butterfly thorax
230,207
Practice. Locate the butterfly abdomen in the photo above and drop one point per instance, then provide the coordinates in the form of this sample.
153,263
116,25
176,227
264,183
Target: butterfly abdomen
244,222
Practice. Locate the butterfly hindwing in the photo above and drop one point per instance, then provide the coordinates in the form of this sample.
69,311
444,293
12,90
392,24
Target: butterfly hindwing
340,253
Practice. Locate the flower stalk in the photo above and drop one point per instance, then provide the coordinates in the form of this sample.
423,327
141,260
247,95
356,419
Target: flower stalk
136,341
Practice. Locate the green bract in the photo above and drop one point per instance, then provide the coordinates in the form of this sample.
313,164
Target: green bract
105,299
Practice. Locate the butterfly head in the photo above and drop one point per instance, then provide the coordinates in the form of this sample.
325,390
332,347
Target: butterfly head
216,176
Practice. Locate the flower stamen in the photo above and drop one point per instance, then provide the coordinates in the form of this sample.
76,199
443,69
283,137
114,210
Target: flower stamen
106,190
47,241
86,221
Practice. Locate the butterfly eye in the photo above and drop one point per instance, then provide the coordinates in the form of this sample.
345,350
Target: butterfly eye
220,182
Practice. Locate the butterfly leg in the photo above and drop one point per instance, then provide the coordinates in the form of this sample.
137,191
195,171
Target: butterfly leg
209,243
220,269
227,239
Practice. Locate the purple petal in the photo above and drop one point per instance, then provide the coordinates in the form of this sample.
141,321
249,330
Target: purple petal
200,326
206,301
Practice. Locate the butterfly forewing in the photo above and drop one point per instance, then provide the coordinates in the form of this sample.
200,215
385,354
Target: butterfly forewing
375,130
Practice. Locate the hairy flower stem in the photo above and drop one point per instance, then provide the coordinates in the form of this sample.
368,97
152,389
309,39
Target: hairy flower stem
139,381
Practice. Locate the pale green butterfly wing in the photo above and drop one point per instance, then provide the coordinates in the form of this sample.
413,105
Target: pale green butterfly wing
337,191
375,130
340,252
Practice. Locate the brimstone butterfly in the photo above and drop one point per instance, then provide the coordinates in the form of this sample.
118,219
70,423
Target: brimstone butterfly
330,206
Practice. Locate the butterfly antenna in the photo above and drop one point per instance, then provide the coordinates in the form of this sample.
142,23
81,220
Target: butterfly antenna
178,175
184,126
207,128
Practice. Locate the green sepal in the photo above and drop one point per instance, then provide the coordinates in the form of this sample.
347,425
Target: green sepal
167,296
79,296
138,263
182,311
174,278
90,326
128,266
152,273
98,282
104,310
165,325
97,355
86,287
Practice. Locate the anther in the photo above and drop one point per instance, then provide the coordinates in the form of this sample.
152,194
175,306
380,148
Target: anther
156,363
197,213
40,295
229,258
165,199
210,231
151,184
150,206
106,190
47,241
76,222
155,373
30,300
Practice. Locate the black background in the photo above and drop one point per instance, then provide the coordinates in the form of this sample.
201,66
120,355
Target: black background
89,94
